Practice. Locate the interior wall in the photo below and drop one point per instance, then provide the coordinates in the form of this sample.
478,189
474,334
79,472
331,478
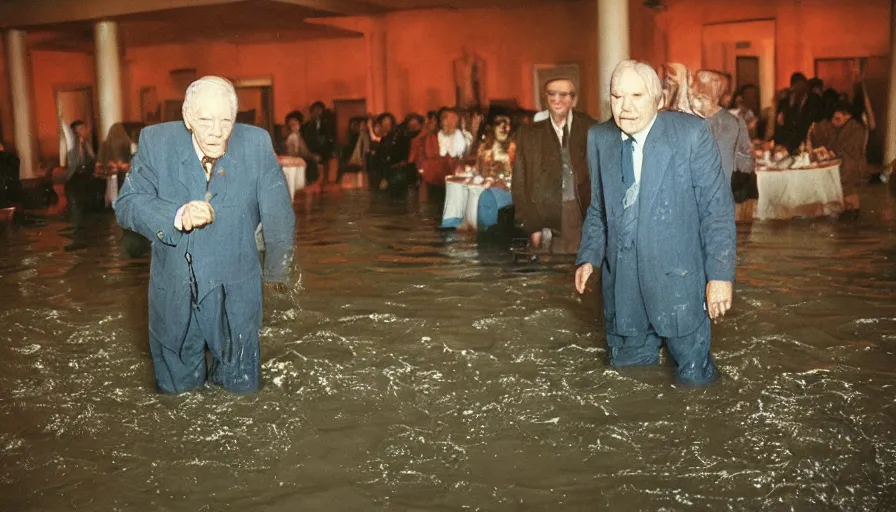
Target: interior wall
52,71
720,51
805,29
301,72
422,46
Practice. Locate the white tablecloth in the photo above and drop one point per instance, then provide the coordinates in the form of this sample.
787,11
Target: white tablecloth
461,205
799,192
295,179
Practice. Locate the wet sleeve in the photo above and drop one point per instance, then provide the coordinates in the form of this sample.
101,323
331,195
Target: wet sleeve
593,246
715,206
277,218
139,207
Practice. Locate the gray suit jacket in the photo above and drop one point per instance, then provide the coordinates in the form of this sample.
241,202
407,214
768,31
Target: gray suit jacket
686,232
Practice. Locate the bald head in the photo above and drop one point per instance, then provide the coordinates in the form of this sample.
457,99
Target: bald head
209,110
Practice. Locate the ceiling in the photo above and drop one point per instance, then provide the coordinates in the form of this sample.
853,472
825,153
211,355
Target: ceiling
67,25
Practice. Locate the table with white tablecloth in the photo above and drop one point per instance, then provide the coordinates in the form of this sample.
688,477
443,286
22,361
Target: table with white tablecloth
473,206
809,192
294,171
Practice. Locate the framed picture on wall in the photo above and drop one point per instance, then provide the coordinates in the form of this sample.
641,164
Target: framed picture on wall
542,73
150,107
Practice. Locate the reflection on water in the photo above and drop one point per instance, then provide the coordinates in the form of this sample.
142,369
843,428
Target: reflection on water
420,371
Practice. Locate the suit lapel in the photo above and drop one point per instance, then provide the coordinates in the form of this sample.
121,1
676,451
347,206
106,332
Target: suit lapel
611,172
655,164
190,172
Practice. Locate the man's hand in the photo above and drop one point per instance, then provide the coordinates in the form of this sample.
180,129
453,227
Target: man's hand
195,214
582,275
718,298
535,239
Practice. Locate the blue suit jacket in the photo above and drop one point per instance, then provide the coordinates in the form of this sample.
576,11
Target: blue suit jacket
686,230
247,187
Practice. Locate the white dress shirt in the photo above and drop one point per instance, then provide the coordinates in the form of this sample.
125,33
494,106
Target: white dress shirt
559,129
638,147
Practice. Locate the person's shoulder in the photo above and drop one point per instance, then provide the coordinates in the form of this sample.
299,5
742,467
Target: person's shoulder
168,129
604,129
682,122
252,136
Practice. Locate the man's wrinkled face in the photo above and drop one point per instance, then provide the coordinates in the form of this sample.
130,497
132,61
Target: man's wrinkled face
561,97
840,119
633,107
211,120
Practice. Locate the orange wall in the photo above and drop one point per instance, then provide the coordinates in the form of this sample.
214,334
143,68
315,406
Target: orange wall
422,45
302,72
52,71
805,29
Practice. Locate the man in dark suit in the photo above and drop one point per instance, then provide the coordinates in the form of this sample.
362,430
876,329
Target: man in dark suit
198,189
661,223
320,135
551,189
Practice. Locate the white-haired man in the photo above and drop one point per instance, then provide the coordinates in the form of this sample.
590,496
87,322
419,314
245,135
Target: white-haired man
661,223
198,189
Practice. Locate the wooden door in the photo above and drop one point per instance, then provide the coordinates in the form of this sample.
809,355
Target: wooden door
345,110
747,73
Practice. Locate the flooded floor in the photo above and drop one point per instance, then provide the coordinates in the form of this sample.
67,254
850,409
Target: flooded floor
417,370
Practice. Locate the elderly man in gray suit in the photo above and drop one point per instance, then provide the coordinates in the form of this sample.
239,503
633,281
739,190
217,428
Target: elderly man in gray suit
198,189
661,223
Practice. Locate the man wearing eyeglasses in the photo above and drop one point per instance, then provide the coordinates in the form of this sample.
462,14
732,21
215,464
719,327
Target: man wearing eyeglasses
198,189
551,187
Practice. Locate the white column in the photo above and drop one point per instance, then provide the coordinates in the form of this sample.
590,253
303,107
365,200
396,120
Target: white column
612,46
108,75
890,140
375,43
20,90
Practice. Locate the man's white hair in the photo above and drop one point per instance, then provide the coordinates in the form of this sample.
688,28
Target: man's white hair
207,81
646,72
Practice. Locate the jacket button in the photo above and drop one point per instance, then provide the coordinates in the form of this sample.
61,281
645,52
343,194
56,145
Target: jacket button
161,235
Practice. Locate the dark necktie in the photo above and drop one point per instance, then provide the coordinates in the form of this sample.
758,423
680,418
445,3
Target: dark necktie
208,164
564,143
628,162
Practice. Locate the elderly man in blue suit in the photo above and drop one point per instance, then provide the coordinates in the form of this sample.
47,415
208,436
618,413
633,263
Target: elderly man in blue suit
661,223
199,189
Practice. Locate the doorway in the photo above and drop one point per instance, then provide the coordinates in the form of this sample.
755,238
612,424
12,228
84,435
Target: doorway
746,51
747,73
256,103
73,104
345,111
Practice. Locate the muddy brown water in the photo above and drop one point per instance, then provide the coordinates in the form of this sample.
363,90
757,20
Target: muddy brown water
419,370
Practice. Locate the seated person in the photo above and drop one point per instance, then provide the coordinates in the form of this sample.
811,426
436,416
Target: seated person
296,147
441,153
847,138
494,162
